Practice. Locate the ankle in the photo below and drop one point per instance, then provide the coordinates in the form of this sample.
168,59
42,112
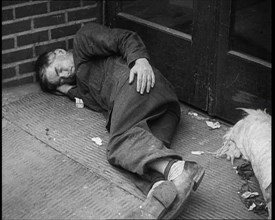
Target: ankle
159,165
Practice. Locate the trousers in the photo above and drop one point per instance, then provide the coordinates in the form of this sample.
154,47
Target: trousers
142,128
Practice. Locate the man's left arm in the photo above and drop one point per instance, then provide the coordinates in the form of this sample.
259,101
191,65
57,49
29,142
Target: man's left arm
97,40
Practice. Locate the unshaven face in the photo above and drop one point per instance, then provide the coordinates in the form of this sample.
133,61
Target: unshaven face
61,69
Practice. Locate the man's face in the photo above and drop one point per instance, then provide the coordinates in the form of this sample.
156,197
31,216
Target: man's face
61,69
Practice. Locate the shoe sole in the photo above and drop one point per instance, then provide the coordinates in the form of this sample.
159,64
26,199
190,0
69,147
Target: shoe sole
157,204
196,183
198,178
162,197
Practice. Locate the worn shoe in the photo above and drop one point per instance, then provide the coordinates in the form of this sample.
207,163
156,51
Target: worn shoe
158,201
187,180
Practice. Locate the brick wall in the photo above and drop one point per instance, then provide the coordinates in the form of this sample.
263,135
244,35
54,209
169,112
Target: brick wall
30,27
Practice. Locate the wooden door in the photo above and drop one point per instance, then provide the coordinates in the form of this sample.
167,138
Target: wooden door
194,44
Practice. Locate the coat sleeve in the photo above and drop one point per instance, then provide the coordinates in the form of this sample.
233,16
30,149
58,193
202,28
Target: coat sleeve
97,40
73,93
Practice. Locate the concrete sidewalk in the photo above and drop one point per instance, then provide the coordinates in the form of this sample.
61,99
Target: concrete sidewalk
51,169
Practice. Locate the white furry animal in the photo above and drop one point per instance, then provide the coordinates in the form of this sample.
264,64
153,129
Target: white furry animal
251,138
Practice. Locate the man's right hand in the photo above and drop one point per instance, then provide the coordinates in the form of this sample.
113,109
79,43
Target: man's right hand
64,88
145,75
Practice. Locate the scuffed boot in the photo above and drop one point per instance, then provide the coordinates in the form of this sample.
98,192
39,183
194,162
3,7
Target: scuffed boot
187,176
158,201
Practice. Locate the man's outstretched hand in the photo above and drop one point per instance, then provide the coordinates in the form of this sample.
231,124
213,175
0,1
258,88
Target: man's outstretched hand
145,75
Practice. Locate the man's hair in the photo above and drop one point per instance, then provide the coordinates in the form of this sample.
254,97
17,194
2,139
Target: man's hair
42,62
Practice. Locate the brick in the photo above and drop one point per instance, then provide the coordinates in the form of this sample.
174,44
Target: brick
32,38
49,20
16,27
26,67
30,10
18,55
9,2
65,31
7,15
8,44
83,14
8,73
49,47
61,5
18,82
87,2
89,21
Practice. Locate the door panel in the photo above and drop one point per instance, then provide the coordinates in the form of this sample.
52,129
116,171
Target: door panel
175,14
243,79
251,28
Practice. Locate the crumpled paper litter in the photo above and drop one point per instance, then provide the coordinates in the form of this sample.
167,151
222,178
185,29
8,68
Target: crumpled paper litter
97,140
213,125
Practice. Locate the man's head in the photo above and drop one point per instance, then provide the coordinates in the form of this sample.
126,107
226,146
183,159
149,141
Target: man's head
54,69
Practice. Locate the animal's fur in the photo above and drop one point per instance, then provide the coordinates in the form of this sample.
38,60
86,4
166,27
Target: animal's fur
251,138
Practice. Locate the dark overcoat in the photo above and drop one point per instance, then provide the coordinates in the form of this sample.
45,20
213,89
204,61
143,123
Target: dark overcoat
141,126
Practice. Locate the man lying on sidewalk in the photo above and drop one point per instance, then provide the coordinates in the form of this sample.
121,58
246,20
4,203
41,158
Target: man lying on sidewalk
142,113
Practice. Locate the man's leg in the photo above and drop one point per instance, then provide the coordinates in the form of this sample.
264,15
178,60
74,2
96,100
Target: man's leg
134,149
142,126
140,132
163,127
